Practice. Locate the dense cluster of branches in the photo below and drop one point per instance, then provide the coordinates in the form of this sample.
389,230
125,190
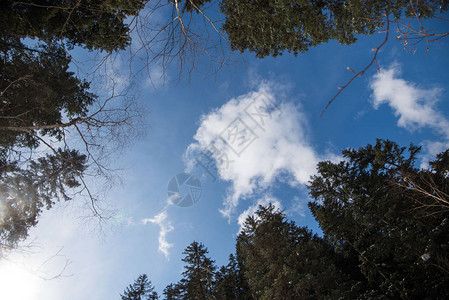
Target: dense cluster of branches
179,34
296,25
383,238
53,128
191,28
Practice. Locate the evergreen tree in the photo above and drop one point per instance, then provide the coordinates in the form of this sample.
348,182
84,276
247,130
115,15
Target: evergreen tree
230,282
368,208
26,191
173,292
93,24
270,27
386,236
38,91
141,289
283,261
198,277
40,99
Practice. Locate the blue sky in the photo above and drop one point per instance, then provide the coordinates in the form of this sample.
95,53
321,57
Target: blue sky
407,102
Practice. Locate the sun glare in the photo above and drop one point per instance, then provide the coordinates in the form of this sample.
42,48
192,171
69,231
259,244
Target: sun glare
16,283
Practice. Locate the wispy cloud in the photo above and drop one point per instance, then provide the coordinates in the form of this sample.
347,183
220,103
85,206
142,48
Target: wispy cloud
254,144
432,148
415,106
299,207
165,226
156,77
113,76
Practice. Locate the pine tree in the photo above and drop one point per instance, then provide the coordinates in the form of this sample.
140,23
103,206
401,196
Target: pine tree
230,282
38,94
93,24
25,192
38,91
283,261
141,289
41,98
368,208
270,27
386,236
198,277
173,292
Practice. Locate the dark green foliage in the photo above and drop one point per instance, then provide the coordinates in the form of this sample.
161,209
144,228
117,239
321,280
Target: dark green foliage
40,98
194,5
202,281
37,92
141,289
173,292
230,282
198,277
94,24
270,27
284,261
367,207
38,95
386,236
26,191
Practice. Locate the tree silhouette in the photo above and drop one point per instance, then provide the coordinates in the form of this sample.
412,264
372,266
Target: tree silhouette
141,289
199,272
366,209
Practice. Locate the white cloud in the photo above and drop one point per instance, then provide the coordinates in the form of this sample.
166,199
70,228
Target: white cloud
414,106
165,226
156,77
432,148
255,139
113,77
298,207
253,208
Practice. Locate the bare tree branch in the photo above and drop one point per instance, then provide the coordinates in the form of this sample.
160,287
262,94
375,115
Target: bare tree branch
360,74
407,34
